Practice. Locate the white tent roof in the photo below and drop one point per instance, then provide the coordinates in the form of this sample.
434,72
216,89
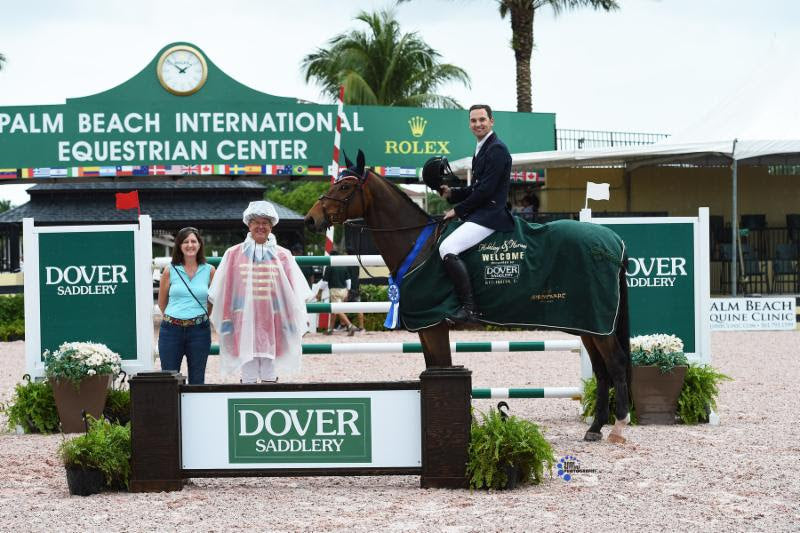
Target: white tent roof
773,152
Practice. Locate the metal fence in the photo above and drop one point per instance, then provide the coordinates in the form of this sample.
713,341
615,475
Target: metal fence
589,139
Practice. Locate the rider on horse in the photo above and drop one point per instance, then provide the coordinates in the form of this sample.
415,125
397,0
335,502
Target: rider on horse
482,205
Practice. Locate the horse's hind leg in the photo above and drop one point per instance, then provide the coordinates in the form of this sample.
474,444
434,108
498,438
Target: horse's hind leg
617,367
603,384
435,342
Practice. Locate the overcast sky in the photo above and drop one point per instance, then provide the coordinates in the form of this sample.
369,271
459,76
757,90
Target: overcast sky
663,66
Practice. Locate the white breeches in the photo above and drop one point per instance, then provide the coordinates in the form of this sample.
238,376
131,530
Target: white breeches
259,369
465,236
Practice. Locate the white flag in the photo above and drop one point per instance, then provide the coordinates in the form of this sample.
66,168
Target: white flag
597,191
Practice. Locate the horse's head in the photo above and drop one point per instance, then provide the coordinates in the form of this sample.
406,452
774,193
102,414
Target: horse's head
347,197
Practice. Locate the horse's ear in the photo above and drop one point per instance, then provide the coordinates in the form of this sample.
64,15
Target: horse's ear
347,162
360,162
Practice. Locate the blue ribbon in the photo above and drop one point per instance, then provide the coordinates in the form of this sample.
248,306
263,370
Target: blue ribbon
392,318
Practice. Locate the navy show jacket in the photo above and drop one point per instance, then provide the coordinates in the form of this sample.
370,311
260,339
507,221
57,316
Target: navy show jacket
484,201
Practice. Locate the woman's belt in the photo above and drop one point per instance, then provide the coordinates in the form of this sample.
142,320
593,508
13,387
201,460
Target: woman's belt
186,322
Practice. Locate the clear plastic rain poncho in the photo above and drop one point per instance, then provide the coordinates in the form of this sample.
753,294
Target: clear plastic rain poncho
259,295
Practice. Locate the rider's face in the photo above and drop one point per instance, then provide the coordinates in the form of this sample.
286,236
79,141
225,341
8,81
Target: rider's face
480,123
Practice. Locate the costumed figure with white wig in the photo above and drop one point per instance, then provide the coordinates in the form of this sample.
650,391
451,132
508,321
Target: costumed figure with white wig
259,295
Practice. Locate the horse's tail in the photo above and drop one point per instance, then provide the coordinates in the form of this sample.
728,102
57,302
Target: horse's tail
623,330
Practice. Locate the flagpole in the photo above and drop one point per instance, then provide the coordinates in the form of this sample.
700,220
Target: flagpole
337,138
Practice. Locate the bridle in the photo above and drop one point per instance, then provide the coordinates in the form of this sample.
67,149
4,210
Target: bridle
340,215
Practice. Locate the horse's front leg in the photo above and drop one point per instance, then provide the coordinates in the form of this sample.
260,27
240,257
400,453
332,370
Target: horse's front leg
435,342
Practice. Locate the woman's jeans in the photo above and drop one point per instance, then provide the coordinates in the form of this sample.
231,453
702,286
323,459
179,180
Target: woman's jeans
193,341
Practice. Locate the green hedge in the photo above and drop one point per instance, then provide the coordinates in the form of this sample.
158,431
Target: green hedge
373,293
12,317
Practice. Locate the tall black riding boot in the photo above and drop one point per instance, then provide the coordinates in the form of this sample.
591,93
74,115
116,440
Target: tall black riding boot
457,271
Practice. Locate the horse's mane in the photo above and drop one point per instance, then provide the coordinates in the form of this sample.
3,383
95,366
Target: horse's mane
401,193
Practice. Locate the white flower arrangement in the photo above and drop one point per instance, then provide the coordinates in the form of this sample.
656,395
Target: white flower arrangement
659,342
664,351
76,360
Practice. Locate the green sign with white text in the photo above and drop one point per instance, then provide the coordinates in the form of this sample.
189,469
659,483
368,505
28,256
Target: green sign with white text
87,290
140,128
299,430
661,278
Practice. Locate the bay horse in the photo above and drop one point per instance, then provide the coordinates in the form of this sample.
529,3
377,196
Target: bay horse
395,221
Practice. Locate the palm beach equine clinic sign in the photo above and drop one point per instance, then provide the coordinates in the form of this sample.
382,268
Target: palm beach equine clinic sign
214,125
88,283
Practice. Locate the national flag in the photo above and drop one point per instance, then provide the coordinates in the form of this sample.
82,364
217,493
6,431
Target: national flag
8,173
253,169
316,171
25,173
74,172
236,169
58,172
174,170
283,170
128,200
222,170
157,170
190,169
43,172
300,170
380,171
108,171
125,170
140,170
89,171
269,170
206,169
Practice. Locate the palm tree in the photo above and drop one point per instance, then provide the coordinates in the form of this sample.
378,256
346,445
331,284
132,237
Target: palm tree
382,66
522,14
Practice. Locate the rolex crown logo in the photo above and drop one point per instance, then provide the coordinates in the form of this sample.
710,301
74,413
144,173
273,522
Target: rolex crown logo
417,124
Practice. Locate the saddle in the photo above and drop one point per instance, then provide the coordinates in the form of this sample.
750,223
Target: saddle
561,275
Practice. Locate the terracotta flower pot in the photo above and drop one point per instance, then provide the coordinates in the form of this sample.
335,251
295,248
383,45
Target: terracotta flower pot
71,398
655,395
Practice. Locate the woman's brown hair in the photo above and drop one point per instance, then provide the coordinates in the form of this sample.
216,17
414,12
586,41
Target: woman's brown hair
177,253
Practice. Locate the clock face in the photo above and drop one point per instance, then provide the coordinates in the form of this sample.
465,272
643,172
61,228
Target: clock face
182,70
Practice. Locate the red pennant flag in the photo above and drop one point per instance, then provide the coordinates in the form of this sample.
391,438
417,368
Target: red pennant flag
128,200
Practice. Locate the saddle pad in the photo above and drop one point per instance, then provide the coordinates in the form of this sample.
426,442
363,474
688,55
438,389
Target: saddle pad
562,275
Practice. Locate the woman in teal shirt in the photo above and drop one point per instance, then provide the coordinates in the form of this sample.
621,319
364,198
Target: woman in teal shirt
183,300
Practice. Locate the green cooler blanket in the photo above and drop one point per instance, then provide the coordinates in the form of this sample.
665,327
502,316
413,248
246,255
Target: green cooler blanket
561,275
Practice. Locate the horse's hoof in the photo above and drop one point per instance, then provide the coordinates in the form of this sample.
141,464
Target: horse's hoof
616,439
592,436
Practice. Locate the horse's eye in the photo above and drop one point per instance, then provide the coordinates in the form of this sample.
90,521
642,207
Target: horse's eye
345,186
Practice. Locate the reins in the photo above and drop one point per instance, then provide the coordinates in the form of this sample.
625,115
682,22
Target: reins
342,213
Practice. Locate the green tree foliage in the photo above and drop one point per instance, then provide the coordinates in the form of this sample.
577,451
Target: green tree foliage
5,205
298,196
382,66
436,204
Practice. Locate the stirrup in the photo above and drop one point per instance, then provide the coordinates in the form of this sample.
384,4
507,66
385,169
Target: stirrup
464,316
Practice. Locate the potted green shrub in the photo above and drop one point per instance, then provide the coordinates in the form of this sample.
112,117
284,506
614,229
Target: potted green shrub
32,408
699,393
504,451
98,459
118,406
659,366
80,374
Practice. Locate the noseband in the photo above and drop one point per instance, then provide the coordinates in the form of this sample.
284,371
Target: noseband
340,215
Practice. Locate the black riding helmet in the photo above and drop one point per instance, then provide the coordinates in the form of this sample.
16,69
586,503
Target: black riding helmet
435,170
